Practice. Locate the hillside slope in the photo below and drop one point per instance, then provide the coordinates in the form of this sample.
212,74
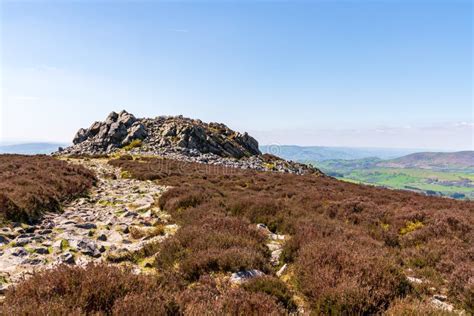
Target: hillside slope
433,160
244,243
322,153
446,174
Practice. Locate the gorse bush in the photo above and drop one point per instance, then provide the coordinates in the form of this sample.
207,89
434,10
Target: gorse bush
32,185
136,143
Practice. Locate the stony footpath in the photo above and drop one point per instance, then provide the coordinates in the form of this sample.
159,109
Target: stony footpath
118,216
275,244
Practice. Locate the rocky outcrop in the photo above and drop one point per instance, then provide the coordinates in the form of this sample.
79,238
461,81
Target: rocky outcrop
120,129
178,138
214,138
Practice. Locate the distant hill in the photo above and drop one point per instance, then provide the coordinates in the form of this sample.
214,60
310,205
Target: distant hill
442,174
432,160
30,148
321,153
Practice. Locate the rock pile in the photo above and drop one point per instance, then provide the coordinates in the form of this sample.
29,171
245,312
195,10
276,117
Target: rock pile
178,138
214,138
120,129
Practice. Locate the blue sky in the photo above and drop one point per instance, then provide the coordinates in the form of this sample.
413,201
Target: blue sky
340,73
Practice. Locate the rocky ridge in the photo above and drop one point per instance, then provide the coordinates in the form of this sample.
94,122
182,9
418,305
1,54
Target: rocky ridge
121,129
179,138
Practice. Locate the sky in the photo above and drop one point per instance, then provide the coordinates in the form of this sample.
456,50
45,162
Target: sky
390,73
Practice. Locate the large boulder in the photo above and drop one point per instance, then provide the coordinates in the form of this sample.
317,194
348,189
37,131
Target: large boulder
117,132
95,128
126,118
118,129
81,136
248,142
111,118
136,131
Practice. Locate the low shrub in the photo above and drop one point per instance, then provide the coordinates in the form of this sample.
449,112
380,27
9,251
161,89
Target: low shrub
214,243
76,290
208,297
274,287
108,290
348,247
410,307
348,274
137,232
32,185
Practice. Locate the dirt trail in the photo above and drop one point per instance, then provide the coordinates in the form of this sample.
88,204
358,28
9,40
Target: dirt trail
118,215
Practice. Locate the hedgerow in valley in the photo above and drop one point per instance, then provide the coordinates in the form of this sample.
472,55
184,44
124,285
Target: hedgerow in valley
32,185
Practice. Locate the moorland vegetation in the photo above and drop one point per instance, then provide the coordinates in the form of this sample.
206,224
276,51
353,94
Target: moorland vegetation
33,185
352,249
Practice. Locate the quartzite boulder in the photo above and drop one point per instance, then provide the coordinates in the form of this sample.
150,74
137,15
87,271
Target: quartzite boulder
118,130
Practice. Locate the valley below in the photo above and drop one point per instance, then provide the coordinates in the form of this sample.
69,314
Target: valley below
452,183
444,174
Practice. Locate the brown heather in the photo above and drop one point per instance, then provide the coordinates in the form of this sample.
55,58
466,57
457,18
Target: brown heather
350,249
107,290
31,185
351,244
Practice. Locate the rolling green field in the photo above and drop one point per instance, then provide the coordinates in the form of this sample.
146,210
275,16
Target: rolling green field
450,183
